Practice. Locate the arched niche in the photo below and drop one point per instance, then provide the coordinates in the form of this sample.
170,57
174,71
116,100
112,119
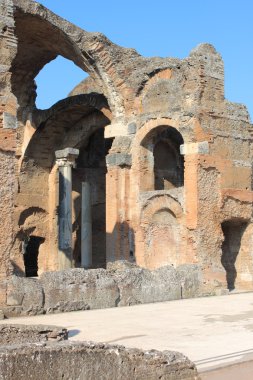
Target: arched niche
162,232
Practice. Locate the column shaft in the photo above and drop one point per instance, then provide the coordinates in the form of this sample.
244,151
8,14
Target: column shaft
86,231
65,159
65,217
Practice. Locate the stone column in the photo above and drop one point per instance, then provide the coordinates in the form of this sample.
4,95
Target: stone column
65,159
86,228
117,211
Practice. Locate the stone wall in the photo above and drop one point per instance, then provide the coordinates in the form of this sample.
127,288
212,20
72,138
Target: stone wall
39,352
85,361
122,284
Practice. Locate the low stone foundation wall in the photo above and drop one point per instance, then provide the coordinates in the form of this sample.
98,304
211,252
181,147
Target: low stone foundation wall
86,361
122,284
17,334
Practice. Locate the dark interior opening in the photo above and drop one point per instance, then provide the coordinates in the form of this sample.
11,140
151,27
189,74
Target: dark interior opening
168,163
166,169
91,167
233,231
31,253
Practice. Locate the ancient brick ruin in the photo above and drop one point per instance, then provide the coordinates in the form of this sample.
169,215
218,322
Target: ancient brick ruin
145,161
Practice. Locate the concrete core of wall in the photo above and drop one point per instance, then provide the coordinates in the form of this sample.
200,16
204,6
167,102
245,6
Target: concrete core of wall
122,284
83,360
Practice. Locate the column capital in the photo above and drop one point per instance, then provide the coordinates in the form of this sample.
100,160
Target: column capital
66,157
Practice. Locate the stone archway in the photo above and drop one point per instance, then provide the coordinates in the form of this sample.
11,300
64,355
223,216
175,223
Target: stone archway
156,156
68,124
42,36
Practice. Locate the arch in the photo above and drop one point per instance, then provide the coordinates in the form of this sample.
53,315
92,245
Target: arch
35,52
70,121
33,221
153,78
162,168
42,36
157,203
151,125
50,84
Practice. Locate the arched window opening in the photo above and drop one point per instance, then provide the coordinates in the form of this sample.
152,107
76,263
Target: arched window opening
233,231
31,252
56,80
162,165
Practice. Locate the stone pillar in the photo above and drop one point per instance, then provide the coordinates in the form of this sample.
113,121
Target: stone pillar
86,228
65,160
202,214
192,152
117,211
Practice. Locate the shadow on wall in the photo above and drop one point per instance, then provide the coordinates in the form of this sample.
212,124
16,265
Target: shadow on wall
233,231
16,269
120,243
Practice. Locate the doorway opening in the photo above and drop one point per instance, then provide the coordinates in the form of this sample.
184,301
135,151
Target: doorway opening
91,168
31,253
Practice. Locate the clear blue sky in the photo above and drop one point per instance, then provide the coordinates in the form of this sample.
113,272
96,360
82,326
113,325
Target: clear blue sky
160,28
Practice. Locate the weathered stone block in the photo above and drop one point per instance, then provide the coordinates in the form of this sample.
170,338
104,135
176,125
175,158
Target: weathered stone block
131,128
9,121
114,130
92,361
79,289
119,159
138,285
195,148
190,280
17,334
26,293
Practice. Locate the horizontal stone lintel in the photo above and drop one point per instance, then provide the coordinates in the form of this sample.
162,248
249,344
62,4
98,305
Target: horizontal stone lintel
119,159
118,129
195,148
